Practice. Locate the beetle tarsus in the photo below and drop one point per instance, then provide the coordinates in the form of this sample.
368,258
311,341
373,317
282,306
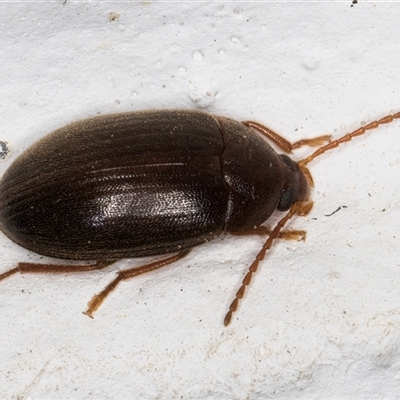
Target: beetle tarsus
94,304
88,313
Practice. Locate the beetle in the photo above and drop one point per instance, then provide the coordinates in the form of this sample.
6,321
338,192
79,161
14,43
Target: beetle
153,182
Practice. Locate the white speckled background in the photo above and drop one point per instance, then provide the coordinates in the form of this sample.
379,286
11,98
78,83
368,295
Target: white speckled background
322,318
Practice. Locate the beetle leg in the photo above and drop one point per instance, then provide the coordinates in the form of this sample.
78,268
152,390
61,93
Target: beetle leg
284,144
304,207
98,299
263,230
54,268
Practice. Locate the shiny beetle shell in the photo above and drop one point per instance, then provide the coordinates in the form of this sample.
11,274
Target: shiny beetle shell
143,183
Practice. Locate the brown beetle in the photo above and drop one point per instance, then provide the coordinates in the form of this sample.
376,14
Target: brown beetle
154,182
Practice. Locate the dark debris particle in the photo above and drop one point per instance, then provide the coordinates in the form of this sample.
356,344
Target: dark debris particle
339,208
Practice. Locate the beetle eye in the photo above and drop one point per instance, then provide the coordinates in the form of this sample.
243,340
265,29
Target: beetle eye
291,183
287,199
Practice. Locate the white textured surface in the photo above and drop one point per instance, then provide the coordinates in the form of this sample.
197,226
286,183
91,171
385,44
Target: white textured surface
322,318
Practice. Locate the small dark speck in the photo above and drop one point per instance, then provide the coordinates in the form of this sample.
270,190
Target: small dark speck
383,210
369,194
353,2
334,212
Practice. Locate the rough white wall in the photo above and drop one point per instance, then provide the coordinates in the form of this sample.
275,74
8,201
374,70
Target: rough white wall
322,318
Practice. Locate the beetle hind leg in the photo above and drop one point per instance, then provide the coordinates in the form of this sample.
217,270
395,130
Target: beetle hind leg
98,299
55,268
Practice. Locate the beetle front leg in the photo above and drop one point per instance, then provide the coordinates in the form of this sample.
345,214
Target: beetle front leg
98,299
284,144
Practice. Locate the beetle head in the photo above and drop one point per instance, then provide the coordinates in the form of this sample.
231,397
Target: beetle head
296,184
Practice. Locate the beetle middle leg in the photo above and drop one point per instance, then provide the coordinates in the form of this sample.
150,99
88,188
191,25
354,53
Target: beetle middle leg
98,299
284,144
292,234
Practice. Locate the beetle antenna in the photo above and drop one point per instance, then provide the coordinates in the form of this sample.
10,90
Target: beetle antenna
346,138
300,208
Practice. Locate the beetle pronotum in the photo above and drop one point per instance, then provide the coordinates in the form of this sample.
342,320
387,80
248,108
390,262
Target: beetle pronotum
153,182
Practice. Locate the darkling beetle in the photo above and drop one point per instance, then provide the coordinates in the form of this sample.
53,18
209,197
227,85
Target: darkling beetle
153,182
